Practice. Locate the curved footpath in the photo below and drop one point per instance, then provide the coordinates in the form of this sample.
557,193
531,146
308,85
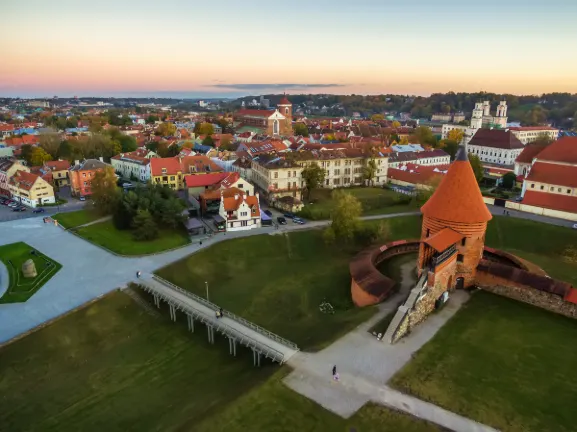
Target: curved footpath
4,279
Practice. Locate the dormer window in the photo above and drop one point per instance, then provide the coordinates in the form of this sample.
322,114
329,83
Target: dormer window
164,171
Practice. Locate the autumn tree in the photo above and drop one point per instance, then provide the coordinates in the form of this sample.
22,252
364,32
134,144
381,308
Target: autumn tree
396,124
508,180
166,129
424,136
370,171
477,167
203,128
105,194
50,142
38,156
345,216
456,135
301,129
313,176
377,117
449,146
226,144
535,116
429,188
542,139
208,141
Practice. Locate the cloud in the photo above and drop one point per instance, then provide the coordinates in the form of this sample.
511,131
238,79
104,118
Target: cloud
281,86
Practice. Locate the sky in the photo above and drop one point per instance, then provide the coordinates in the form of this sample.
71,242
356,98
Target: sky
230,48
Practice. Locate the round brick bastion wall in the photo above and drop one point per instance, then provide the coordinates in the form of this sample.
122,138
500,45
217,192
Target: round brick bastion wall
499,272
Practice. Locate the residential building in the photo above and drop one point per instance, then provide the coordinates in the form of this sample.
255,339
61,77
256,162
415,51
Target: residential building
134,165
427,158
448,117
8,168
172,171
59,170
551,182
30,189
81,175
240,212
6,130
271,122
255,148
528,134
416,176
495,146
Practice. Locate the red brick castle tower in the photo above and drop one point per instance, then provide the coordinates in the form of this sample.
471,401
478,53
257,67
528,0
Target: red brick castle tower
453,234
286,109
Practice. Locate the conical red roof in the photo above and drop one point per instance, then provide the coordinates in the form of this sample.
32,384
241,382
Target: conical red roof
284,101
458,197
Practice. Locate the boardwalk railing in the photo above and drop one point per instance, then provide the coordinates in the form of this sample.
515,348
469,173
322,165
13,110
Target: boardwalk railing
218,325
230,315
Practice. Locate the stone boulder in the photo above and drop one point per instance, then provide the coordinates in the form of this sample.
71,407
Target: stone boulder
29,269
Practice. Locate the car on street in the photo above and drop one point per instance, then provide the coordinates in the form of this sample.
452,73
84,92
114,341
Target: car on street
575,226
281,220
289,215
19,209
13,204
38,210
299,220
82,198
268,213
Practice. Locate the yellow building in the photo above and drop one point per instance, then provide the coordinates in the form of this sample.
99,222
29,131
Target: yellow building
59,170
30,189
172,171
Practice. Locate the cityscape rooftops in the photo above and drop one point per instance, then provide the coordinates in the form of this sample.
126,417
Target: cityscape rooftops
496,138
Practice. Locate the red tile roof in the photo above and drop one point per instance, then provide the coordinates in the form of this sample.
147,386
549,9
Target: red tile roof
59,165
553,174
551,201
416,174
232,203
255,113
532,128
496,138
230,179
529,153
444,239
284,101
562,150
458,197
18,141
6,127
23,180
203,180
183,164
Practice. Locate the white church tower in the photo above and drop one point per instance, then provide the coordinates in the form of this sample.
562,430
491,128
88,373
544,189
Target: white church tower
501,117
477,117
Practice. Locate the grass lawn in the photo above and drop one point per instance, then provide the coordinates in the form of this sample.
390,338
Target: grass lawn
278,281
501,362
273,407
76,218
20,288
375,200
112,366
122,242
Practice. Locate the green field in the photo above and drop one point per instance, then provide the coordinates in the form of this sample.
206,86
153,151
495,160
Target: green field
375,200
279,281
113,366
20,288
501,362
76,218
121,242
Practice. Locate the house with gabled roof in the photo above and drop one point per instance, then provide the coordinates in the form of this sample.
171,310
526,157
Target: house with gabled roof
240,212
30,189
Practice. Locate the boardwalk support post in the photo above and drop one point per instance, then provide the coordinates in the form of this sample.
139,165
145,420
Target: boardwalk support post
232,345
256,357
190,322
172,313
157,300
210,333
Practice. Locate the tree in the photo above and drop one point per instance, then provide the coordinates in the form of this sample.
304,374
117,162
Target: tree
127,143
535,117
345,216
314,176
369,171
38,156
166,129
26,153
396,124
65,150
50,142
477,167
206,129
404,140
301,129
226,144
431,185
105,194
144,226
456,135
450,147
377,117
208,141
151,119
508,180
424,136
542,139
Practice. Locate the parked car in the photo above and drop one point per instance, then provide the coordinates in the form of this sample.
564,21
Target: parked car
289,215
299,221
38,210
13,204
575,226
82,198
268,213
281,220
19,209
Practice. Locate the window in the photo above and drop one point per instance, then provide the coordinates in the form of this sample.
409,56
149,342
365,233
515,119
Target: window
294,173
327,182
171,178
289,174
542,187
532,185
559,190
83,174
337,171
243,223
163,170
294,185
428,232
243,213
459,258
463,241
276,174
275,186
337,181
568,191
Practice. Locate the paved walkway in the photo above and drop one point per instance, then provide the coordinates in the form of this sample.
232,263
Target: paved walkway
366,364
248,334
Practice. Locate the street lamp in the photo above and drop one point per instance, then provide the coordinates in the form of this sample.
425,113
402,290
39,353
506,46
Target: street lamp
206,283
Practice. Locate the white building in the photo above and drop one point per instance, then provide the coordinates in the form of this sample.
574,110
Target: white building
240,212
425,158
495,146
529,134
481,117
133,165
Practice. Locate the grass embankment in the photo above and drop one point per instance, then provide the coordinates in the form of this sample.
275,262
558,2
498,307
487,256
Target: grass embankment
76,218
114,366
374,200
279,281
20,288
500,362
106,235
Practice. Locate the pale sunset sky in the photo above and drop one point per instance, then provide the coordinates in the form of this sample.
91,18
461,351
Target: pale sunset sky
191,48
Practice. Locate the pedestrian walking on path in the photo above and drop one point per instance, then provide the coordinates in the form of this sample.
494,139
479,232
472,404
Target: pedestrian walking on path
334,370
138,273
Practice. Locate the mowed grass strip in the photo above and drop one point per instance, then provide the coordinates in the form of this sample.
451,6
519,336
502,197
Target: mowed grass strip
122,242
273,407
20,288
500,362
279,281
76,218
114,367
